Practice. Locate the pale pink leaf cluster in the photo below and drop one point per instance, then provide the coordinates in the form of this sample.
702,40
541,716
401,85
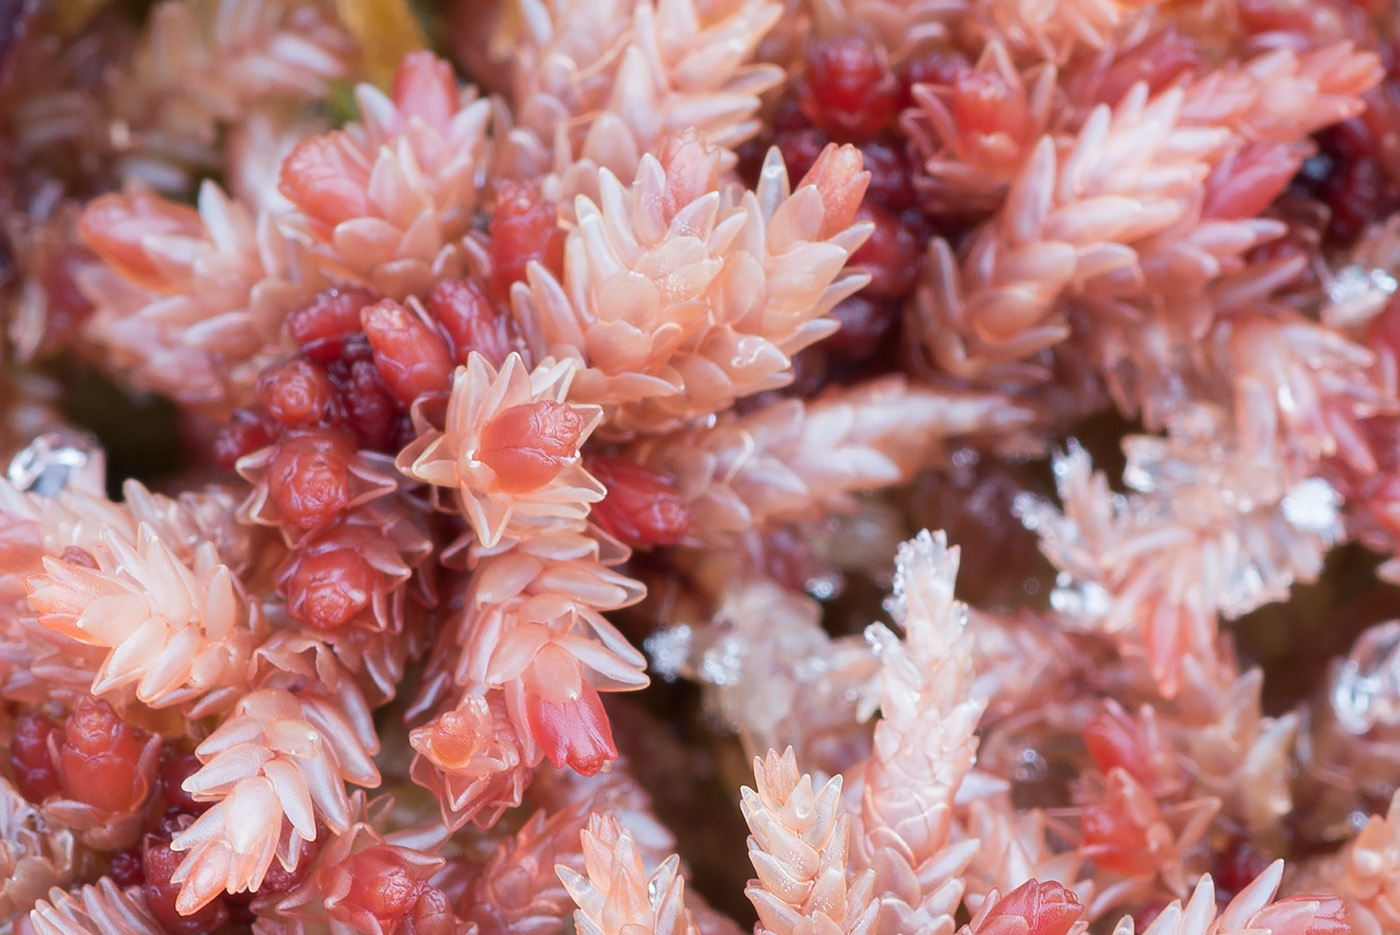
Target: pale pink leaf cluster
450,458
100,909
202,65
366,858
1365,874
1147,201
530,647
968,164
155,114
193,304
34,855
385,201
1052,29
792,684
795,460
1253,909
179,634
799,849
597,86
681,294
925,745
614,893
1159,565
275,769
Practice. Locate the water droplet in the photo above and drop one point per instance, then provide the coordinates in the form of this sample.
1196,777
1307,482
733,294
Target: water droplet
723,663
1357,294
1365,688
1084,599
1030,766
56,460
1312,505
823,587
669,650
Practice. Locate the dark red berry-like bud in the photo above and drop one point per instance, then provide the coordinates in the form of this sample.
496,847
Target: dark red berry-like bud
800,149
175,768
938,67
432,914
32,757
412,357
1237,866
126,869
848,89
100,757
321,328
523,228
891,175
470,320
158,863
867,321
642,507
245,433
281,880
366,406
296,393
892,254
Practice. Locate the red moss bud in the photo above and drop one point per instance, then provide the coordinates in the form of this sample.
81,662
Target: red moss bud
321,328
381,885
126,869
367,408
432,914
471,321
1124,832
528,445
412,358
296,393
523,228
327,589
642,507
245,433
158,863
866,322
892,254
848,90
279,879
1033,909
1116,740
576,733
937,67
99,758
1237,866
31,756
175,768
891,175
309,478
